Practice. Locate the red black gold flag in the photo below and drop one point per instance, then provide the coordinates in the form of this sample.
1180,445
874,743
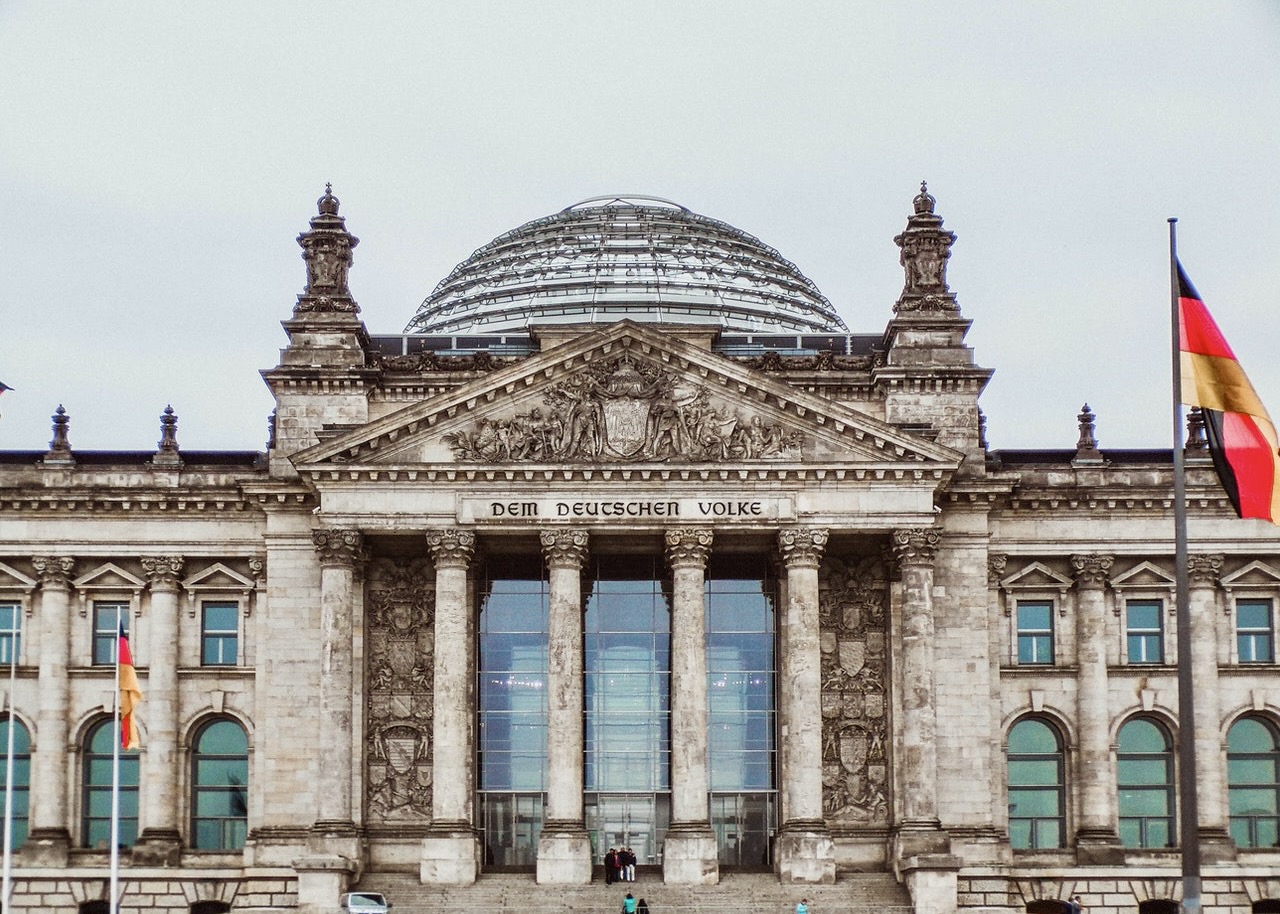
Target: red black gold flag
130,696
1242,439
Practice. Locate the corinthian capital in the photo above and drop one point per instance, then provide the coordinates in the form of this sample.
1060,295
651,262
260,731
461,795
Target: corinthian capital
164,573
54,571
451,548
1204,570
996,564
337,546
802,546
564,548
915,546
1091,571
689,546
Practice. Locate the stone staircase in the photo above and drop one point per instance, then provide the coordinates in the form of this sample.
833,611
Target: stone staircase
737,893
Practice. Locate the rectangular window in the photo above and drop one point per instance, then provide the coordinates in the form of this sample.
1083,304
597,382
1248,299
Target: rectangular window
1035,632
1143,631
106,615
10,633
219,634
1254,640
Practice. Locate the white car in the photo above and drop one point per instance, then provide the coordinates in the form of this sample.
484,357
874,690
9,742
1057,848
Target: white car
365,903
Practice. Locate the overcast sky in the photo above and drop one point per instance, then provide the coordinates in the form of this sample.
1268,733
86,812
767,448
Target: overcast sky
157,161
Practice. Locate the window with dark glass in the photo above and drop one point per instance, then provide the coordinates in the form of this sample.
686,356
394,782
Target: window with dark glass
10,633
219,634
21,777
1037,786
220,787
1144,634
1255,642
1035,632
107,617
1144,781
1253,783
96,824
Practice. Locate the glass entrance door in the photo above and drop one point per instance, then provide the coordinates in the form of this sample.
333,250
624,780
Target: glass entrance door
512,824
743,823
637,821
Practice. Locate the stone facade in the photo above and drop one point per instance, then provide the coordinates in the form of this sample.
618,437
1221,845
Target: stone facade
925,595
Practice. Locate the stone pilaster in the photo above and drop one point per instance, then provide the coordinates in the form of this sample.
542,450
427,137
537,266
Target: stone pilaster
1096,838
49,840
919,832
804,849
689,855
339,552
564,848
160,842
1203,574
450,851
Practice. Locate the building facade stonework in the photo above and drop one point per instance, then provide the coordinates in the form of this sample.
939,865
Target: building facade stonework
628,541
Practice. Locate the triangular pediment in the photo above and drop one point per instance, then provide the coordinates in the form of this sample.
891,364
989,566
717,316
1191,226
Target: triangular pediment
1255,574
1143,575
109,576
629,395
1036,576
13,580
218,577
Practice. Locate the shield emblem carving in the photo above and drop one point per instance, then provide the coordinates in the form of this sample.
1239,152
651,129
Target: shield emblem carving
625,421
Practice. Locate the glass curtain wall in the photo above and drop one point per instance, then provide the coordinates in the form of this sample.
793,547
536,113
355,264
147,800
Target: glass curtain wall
512,737
740,599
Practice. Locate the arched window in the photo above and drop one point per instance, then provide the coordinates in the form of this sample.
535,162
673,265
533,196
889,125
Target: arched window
1253,783
1048,906
1144,781
96,825
21,776
219,786
93,907
1036,786
1266,906
1159,906
209,907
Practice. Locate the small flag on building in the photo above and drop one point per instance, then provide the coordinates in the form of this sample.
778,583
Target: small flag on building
1242,438
4,387
130,695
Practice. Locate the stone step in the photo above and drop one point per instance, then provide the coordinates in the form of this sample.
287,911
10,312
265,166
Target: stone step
756,893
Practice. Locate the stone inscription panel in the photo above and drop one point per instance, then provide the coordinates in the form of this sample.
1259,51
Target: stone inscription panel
626,510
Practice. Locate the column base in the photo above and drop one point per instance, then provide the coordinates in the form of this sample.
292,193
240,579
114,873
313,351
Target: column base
322,878
931,881
1216,846
564,854
336,838
46,847
1098,847
806,854
450,855
690,855
158,847
914,838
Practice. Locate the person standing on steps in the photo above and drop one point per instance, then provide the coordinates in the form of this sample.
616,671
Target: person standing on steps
629,904
642,907
611,867
803,906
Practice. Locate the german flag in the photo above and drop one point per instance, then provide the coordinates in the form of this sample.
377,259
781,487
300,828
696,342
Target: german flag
130,695
1242,439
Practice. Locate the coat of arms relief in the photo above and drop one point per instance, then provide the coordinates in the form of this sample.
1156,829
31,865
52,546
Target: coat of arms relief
854,596
622,409
399,653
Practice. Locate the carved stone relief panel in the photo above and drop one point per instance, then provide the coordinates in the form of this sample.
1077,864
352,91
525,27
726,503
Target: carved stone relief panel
400,638
622,409
853,607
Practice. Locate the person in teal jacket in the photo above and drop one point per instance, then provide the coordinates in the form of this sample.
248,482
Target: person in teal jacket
629,904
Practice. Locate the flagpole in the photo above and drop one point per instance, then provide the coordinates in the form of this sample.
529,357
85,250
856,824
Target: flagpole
1189,820
8,766
115,777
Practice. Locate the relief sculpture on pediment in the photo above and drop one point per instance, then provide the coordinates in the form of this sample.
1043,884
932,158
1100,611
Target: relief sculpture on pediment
853,604
624,409
400,603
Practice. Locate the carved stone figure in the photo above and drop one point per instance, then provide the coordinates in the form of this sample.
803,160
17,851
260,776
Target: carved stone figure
400,637
852,608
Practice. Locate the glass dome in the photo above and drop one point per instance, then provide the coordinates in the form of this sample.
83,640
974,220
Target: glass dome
641,258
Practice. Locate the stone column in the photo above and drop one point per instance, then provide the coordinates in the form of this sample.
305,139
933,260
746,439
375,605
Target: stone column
49,839
919,832
450,851
334,830
1203,572
804,849
160,842
564,849
1096,838
689,855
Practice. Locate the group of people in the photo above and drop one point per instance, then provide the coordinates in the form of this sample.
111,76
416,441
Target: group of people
619,865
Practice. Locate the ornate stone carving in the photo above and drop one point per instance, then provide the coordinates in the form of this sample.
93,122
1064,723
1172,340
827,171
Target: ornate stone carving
689,546
623,409
564,548
855,766
451,547
925,249
431,361
164,573
337,546
400,597
996,564
326,248
1204,570
802,546
915,546
825,360
54,571
1091,571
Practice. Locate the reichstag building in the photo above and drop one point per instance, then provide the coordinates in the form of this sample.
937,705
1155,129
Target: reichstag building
627,540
